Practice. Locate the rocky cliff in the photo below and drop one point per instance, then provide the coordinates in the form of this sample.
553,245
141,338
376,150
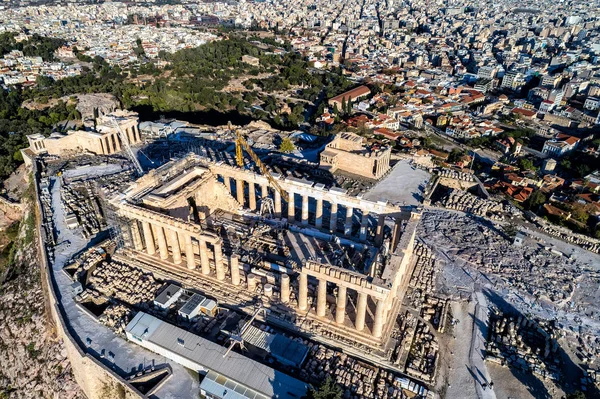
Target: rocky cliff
33,361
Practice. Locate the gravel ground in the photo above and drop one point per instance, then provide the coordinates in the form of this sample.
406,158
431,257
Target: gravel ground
402,186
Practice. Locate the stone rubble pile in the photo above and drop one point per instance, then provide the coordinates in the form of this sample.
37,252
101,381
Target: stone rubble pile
531,269
453,174
464,201
116,317
357,379
78,202
125,283
423,354
563,234
524,344
420,294
111,184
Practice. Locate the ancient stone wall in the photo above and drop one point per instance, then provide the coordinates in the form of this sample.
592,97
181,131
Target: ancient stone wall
96,380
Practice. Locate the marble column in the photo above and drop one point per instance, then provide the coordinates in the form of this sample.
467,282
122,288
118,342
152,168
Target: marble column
322,298
252,196
319,213
239,189
189,252
285,288
277,204
227,182
149,238
109,144
162,243
219,261
175,249
333,218
361,310
136,236
348,223
379,231
264,192
303,292
364,226
305,210
396,234
378,324
291,208
340,308
204,257
118,141
235,269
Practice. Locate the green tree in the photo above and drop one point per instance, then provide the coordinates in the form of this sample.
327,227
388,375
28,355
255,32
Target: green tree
455,155
535,200
525,164
287,146
328,390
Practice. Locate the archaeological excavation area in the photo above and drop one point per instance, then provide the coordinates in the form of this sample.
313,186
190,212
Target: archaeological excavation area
323,262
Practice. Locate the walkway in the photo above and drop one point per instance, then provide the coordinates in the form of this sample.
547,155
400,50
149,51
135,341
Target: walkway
128,356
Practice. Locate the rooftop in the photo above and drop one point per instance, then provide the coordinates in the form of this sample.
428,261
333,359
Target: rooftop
193,349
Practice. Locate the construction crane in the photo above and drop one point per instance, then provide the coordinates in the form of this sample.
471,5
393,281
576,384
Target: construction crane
241,143
237,339
128,151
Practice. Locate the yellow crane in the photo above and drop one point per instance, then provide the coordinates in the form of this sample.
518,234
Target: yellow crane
241,143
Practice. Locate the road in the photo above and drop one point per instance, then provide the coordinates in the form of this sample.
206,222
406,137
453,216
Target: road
467,369
476,353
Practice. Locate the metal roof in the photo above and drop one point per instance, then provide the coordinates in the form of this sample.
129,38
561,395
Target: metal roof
209,355
220,386
166,294
282,348
192,304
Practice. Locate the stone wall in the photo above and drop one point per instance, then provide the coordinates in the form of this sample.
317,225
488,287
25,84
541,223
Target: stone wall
96,380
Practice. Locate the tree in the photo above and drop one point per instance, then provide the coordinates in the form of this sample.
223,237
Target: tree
536,199
580,212
328,390
455,155
576,395
525,164
344,107
287,146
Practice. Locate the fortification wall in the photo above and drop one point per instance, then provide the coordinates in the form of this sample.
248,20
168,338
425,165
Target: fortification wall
95,379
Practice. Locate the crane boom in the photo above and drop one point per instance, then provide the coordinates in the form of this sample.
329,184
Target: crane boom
241,143
128,150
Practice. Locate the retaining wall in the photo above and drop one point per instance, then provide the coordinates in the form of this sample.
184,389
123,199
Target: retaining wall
95,379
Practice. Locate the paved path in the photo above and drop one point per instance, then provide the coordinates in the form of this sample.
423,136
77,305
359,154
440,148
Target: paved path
476,353
128,356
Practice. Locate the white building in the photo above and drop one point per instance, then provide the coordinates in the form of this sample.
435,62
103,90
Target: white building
232,377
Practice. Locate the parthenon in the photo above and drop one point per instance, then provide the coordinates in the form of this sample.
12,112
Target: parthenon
347,274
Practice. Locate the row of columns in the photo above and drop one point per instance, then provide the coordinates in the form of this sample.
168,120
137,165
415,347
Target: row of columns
304,207
241,195
341,301
110,143
133,134
155,238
